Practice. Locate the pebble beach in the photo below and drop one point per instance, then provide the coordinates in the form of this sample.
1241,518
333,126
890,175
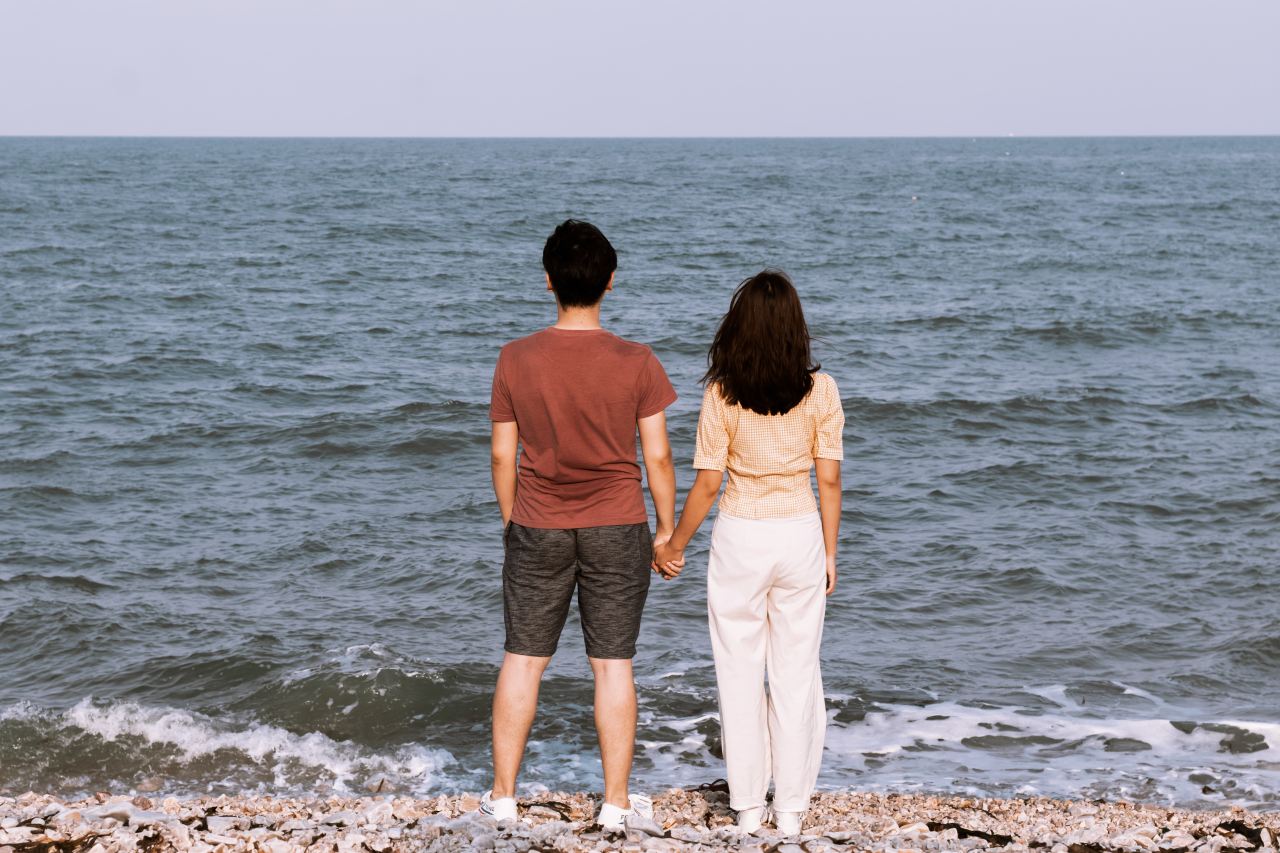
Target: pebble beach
696,819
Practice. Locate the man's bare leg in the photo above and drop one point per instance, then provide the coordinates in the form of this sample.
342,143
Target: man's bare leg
514,703
615,725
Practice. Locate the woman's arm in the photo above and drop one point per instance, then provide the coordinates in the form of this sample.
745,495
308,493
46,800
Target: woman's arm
829,497
669,557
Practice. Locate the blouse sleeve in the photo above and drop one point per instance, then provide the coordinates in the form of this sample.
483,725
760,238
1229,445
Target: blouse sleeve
712,451
828,439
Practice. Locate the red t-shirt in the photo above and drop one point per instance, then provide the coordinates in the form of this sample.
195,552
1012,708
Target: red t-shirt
576,395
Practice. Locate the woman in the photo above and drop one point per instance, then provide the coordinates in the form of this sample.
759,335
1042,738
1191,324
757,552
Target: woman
767,418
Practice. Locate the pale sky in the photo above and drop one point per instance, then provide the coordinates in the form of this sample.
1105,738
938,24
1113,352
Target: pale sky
642,68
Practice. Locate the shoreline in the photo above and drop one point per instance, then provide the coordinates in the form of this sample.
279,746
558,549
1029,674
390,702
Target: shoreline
684,820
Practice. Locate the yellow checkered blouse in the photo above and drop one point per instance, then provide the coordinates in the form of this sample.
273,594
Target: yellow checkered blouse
769,457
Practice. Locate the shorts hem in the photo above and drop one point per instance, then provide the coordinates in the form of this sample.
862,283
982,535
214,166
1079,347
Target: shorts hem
510,649
631,656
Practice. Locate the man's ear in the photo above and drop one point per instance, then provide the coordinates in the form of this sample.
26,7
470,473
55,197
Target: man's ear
608,286
548,277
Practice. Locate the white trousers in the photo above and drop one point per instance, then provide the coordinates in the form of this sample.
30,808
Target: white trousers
766,599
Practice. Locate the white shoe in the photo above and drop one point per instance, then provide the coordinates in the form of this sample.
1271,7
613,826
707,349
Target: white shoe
749,820
614,818
503,808
788,823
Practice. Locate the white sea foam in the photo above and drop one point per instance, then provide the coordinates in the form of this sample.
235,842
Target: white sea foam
19,711
195,735
948,746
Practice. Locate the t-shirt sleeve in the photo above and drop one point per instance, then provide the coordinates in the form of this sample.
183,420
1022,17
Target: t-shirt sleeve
500,409
656,392
828,439
712,450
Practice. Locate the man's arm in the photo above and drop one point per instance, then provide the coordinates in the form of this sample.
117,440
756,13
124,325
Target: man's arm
506,442
660,472
829,497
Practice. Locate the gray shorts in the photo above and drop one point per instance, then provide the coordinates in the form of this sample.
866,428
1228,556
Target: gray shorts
609,566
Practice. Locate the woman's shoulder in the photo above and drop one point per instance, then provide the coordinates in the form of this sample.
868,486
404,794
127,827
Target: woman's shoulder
825,383
825,395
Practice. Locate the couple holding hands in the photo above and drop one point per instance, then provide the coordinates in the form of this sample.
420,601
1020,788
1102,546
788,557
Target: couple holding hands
566,407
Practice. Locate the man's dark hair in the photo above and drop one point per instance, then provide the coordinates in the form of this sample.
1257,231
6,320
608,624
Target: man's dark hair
760,357
579,261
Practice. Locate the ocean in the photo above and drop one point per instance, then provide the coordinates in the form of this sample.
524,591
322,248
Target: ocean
248,538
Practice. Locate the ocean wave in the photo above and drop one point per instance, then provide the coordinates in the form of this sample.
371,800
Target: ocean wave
178,750
77,583
955,746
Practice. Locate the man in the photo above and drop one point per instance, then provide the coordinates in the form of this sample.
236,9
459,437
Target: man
573,396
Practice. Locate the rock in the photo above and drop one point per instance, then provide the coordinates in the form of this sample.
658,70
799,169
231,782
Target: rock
215,838
542,811
1177,839
115,812
378,813
343,818
381,785
351,842
660,844
686,833
1090,835
222,824
642,825
9,822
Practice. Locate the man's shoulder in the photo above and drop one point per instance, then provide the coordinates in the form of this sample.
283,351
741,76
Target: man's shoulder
626,347
519,345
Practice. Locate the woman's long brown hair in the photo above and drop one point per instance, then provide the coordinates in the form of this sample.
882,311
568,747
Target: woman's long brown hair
761,357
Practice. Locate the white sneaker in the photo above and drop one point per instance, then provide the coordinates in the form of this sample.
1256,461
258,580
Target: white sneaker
749,820
614,818
503,808
788,823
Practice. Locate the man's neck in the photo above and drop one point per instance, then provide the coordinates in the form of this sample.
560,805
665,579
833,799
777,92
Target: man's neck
578,318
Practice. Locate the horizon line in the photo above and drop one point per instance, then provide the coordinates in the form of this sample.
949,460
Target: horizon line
410,137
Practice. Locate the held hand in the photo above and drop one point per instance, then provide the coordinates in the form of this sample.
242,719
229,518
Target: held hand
668,561
831,573
658,541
